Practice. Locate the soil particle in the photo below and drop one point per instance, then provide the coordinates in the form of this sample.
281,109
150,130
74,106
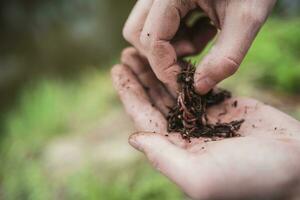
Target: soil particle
246,110
189,115
146,89
235,103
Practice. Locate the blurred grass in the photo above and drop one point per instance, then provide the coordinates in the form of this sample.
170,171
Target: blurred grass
51,108
275,54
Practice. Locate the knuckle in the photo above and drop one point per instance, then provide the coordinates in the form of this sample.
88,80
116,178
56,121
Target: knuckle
161,75
231,65
129,51
128,33
165,74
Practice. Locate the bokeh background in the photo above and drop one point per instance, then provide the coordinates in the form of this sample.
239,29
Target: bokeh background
63,130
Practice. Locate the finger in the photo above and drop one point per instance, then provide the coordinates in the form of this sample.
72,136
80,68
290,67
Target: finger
224,58
164,156
156,38
194,39
135,23
177,164
136,102
159,95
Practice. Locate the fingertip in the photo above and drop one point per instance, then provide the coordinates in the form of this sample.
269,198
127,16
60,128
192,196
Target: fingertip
203,84
120,74
116,70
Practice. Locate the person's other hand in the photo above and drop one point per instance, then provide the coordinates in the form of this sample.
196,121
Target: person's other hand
157,28
264,163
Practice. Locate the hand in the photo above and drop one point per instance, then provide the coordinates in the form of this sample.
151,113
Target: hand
158,30
264,163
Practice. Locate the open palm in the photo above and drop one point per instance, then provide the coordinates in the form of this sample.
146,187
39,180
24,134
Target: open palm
264,163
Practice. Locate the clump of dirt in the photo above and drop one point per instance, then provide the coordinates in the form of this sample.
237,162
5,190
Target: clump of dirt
189,115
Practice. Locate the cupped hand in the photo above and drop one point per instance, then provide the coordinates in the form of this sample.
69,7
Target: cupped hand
264,163
163,30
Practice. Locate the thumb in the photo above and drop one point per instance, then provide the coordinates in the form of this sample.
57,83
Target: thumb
226,55
164,156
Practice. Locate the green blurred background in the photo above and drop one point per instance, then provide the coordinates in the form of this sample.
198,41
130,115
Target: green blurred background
63,130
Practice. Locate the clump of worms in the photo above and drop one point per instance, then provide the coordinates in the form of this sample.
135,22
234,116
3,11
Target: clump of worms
189,115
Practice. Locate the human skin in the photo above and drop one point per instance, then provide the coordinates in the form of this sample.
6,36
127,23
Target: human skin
157,29
264,163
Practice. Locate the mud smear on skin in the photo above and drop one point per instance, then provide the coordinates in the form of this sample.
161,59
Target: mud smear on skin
189,115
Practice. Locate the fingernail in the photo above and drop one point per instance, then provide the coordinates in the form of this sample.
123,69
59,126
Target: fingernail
134,143
204,85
